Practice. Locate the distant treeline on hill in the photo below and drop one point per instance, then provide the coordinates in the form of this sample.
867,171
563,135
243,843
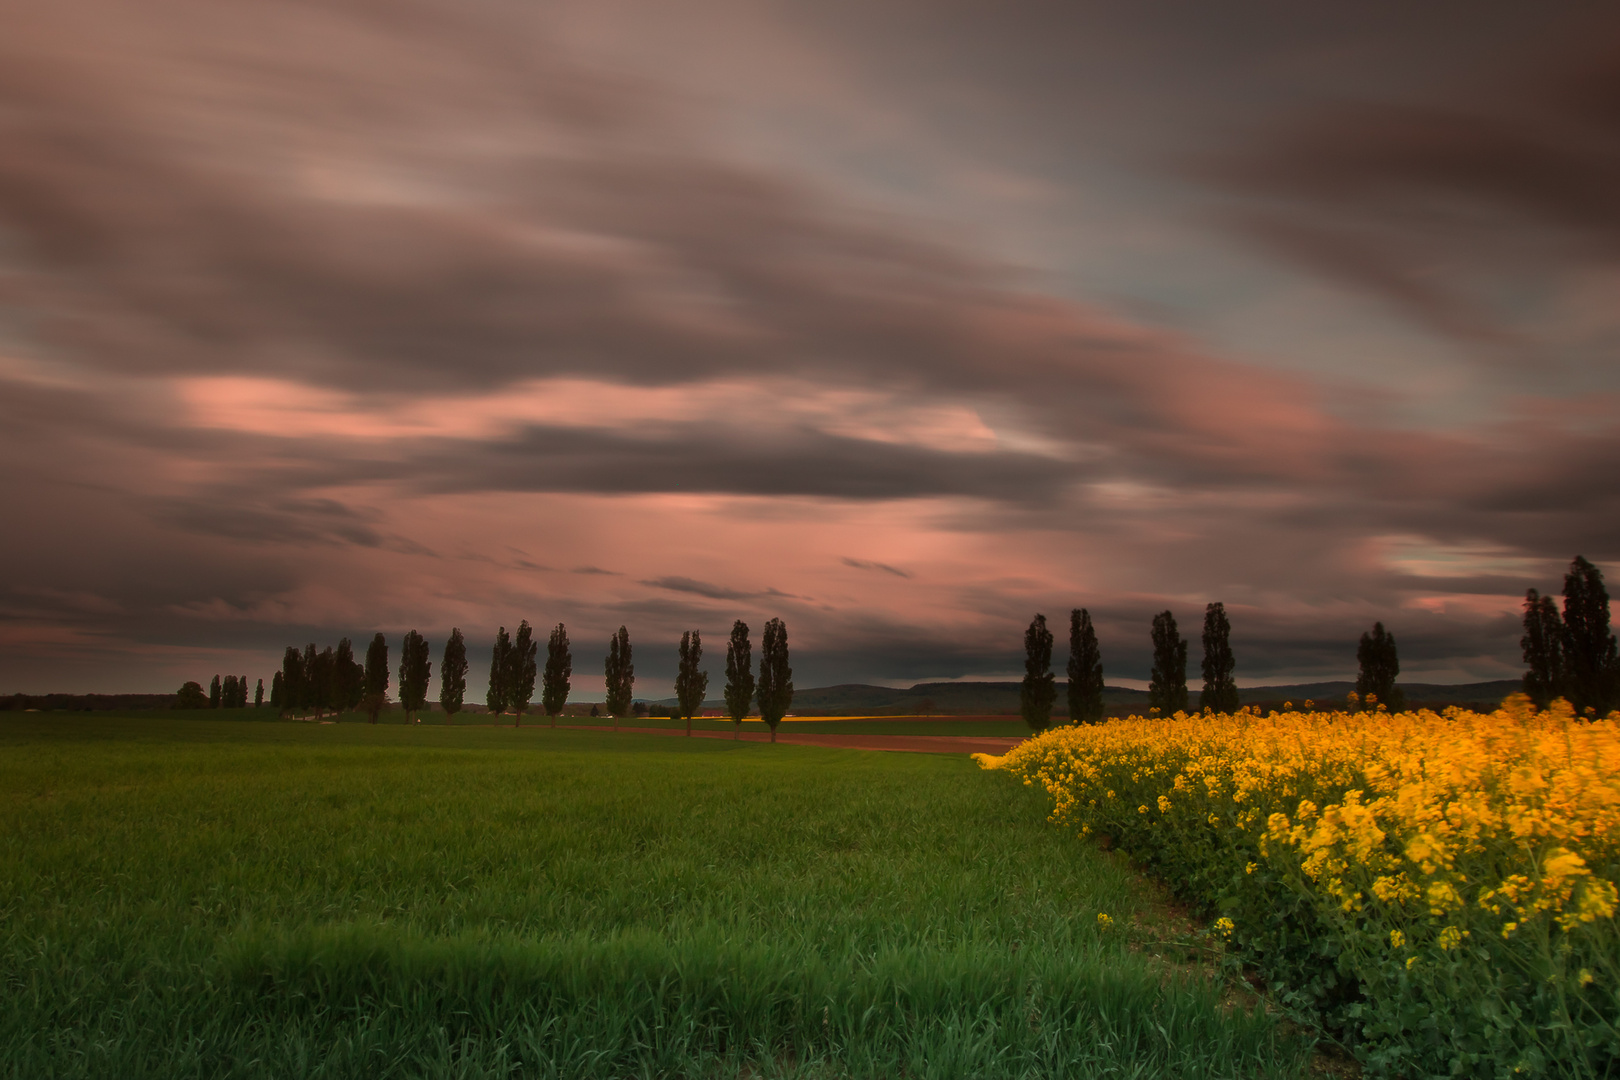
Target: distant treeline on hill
1001,698
86,702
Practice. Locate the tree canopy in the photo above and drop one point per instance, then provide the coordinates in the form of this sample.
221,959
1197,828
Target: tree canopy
1167,688
1220,693
1038,691
1085,670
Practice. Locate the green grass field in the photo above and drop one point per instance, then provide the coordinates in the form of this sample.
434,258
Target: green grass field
205,898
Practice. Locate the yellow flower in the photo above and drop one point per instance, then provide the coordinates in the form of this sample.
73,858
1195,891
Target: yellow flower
1224,926
1586,977
1251,868
1397,940
1103,920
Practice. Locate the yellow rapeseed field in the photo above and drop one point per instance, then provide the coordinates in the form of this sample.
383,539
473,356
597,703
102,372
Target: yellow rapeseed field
1454,873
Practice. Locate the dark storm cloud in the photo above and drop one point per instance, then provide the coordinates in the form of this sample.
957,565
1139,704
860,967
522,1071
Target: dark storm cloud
1428,203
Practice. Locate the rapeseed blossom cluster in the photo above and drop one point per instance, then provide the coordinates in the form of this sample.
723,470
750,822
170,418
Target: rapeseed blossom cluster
1454,861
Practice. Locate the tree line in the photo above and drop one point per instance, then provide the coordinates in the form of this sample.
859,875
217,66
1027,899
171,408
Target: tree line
331,680
1570,655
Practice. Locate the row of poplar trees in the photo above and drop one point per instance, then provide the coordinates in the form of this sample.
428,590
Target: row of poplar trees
330,680
1167,687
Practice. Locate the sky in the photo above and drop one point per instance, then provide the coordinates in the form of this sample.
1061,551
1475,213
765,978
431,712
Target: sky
899,321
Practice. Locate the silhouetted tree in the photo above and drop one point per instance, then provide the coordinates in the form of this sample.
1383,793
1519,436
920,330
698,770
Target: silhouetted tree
1380,664
215,691
1167,690
328,690
292,680
1591,668
557,680
739,675
278,692
1085,670
376,676
309,693
498,667
1543,645
348,678
415,670
1039,690
520,671
227,693
690,683
191,696
453,673
258,695
1220,693
775,689
621,676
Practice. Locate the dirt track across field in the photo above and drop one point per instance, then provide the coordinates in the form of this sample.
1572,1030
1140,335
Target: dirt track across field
916,744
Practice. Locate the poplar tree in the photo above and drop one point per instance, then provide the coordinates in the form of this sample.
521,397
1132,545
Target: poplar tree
376,676
621,676
496,697
775,689
227,693
739,675
415,669
559,671
278,693
292,680
1167,691
520,671
324,680
349,677
1543,645
453,673
308,692
1039,689
1220,693
1380,664
690,683
258,695
1085,670
1591,667
214,693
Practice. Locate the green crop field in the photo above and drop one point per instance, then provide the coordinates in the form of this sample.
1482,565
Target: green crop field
199,898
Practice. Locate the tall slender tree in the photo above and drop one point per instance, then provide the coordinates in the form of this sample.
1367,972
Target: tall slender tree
1380,664
775,689
376,676
621,676
690,683
559,672
1085,670
453,673
415,669
1220,693
328,689
739,675
1592,670
1167,690
278,692
1039,690
292,680
227,692
349,676
1543,645
498,667
309,690
520,671
215,692
258,695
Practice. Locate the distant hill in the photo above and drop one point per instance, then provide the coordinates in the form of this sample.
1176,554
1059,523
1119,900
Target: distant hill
993,698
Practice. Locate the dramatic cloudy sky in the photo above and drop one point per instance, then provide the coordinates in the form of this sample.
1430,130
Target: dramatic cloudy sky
899,320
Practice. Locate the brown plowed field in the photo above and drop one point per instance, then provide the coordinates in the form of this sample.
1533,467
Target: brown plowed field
917,744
